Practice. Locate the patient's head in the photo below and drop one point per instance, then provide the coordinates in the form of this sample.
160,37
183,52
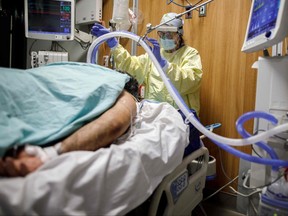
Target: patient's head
131,86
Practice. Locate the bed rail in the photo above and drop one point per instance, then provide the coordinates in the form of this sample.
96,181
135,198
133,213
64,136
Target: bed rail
181,191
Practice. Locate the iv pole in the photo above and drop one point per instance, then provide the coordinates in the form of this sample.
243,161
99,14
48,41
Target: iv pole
134,28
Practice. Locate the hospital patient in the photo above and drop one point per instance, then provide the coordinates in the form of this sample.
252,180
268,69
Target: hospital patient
98,133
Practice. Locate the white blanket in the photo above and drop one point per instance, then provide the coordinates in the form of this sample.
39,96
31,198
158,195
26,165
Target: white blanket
110,181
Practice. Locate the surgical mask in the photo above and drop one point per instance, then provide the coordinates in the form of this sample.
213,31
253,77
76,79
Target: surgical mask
167,44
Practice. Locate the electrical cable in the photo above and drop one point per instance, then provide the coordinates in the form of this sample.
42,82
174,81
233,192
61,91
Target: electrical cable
253,207
151,28
55,45
244,184
258,189
254,150
263,186
222,166
281,138
84,45
220,189
183,6
252,146
30,49
189,2
245,195
270,183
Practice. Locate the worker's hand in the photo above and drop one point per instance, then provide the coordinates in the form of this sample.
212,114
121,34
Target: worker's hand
99,30
21,165
156,51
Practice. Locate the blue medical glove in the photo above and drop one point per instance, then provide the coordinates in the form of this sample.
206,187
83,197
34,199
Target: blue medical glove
99,30
156,51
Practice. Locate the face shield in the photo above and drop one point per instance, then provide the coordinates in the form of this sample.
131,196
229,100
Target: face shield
167,32
172,24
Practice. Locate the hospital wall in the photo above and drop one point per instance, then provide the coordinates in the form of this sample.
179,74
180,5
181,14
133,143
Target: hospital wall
229,82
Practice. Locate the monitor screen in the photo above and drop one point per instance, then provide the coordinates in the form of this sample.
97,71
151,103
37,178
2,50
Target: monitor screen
49,19
267,26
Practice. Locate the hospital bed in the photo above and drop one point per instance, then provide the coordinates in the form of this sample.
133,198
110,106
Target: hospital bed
145,167
181,190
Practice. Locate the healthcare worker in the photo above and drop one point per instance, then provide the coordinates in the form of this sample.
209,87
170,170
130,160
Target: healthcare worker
181,63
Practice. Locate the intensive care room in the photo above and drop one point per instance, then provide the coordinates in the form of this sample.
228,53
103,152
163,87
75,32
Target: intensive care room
167,107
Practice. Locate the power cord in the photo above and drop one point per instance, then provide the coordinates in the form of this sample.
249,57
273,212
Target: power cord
220,189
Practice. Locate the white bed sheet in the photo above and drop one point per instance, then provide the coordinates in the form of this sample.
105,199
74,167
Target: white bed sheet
110,181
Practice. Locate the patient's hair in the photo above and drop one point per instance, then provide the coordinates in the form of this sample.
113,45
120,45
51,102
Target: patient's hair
132,85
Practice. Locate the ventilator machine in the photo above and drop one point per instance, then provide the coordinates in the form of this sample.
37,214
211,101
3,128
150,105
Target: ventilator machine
268,26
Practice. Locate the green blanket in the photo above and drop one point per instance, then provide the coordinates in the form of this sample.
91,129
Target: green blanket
45,104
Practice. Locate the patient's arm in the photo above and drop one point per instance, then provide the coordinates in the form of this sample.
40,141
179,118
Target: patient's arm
97,134
105,129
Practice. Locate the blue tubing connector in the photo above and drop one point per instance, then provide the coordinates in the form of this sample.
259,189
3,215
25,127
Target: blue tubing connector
265,161
257,114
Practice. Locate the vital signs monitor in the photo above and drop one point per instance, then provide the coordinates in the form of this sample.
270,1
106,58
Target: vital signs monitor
267,26
50,19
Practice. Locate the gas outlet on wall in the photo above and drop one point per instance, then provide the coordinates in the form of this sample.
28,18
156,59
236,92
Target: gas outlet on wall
202,10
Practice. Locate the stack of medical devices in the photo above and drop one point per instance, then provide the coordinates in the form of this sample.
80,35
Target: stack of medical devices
268,25
52,21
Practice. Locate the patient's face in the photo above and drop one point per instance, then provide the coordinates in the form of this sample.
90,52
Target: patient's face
132,86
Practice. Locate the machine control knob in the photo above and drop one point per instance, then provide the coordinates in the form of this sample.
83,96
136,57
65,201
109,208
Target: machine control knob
268,34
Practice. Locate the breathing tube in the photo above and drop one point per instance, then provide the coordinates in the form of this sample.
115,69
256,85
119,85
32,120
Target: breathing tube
240,128
221,141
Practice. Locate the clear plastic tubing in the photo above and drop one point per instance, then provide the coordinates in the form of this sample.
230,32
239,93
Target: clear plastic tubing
178,99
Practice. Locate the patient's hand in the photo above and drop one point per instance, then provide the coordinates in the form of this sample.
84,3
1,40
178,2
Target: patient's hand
21,165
